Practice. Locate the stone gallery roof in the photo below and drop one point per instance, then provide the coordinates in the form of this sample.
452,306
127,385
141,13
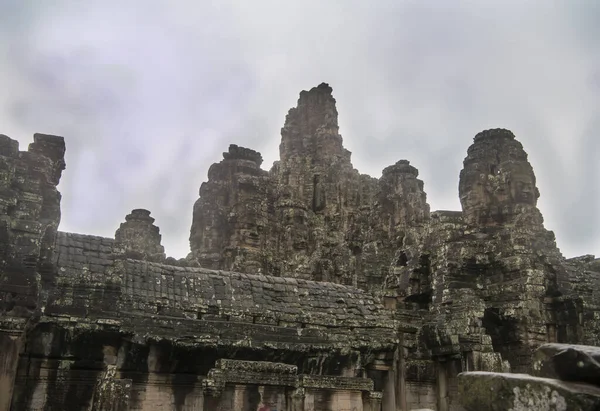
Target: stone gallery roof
96,283
76,251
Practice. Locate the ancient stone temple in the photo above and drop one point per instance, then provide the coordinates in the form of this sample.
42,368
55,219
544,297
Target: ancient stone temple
308,286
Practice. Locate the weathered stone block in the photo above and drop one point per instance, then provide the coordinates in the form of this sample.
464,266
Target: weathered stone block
486,391
579,363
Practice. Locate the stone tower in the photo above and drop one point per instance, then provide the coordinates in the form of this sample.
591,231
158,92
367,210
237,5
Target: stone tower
230,217
312,215
495,270
139,237
497,184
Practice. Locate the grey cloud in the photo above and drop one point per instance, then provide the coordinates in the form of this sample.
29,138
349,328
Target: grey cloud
148,97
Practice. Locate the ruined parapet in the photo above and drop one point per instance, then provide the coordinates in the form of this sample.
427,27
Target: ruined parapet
497,184
139,238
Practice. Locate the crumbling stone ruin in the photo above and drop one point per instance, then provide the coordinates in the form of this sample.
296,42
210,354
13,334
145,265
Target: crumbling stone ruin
308,287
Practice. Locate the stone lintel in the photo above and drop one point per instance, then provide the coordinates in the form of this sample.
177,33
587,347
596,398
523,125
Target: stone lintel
336,382
279,374
256,366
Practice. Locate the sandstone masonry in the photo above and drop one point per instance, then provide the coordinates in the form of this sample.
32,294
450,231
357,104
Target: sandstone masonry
308,287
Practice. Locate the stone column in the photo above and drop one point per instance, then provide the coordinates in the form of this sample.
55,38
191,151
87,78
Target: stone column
111,393
401,385
442,386
10,345
372,401
211,401
298,399
389,391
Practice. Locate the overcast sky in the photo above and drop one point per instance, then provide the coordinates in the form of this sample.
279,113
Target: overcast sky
149,93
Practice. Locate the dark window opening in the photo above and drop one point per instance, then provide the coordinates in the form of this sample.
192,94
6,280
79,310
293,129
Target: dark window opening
503,331
402,260
378,377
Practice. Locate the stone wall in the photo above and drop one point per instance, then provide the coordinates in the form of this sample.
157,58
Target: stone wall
125,334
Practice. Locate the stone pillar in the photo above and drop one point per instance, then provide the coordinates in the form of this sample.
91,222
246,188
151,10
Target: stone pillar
211,401
297,402
10,345
239,397
372,401
442,386
401,384
111,393
389,391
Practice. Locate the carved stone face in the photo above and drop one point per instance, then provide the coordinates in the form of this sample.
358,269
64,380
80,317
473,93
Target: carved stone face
522,188
476,197
295,225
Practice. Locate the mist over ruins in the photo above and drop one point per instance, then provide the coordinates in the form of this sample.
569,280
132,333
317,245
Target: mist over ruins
309,286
